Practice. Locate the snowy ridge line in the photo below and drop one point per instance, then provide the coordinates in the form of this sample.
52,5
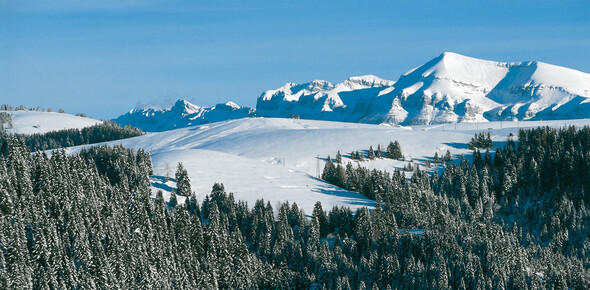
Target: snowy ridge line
450,88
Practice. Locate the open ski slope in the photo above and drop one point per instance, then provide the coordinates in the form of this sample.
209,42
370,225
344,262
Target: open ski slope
277,159
33,122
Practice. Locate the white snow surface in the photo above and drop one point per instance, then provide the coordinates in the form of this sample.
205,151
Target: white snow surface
33,122
276,159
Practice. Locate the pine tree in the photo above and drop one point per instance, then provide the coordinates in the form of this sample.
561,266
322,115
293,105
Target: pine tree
447,157
320,215
313,238
371,154
183,183
173,201
394,150
360,155
481,141
329,173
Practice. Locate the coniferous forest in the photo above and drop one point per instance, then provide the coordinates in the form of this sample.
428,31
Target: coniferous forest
102,132
516,219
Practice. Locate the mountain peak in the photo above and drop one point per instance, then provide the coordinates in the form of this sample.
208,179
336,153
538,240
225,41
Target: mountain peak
449,88
182,114
448,56
368,81
232,105
316,86
185,107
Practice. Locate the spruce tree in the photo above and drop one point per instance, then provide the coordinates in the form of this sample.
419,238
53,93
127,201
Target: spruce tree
320,215
173,201
329,173
183,183
447,157
394,150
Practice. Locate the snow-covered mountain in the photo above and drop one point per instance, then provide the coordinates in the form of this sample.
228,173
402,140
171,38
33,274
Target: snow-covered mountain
351,100
182,114
449,88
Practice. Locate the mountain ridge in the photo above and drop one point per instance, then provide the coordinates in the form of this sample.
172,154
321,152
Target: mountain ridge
449,88
182,114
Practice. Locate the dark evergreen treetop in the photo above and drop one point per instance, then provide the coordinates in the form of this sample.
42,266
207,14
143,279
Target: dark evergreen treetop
183,183
481,141
394,150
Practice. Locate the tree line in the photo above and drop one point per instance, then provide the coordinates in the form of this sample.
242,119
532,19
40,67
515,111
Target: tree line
6,107
101,132
392,151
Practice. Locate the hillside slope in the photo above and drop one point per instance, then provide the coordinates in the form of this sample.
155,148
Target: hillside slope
277,159
33,122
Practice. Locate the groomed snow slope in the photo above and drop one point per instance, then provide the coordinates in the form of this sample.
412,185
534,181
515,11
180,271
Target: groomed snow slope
32,122
276,159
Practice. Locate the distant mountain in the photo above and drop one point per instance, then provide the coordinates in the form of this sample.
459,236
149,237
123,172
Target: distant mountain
449,88
182,114
351,100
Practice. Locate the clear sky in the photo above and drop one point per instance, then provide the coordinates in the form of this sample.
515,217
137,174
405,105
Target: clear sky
103,58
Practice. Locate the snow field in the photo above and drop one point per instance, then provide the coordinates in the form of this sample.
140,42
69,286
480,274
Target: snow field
277,159
33,122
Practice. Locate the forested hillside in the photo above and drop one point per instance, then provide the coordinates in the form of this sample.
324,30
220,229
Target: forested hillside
518,220
102,132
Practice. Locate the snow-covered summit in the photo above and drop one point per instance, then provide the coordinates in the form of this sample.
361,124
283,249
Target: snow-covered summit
292,92
182,114
366,81
452,66
319,99
184,107
447,89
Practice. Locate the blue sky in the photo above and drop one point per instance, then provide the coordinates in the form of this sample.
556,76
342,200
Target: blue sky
107,57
